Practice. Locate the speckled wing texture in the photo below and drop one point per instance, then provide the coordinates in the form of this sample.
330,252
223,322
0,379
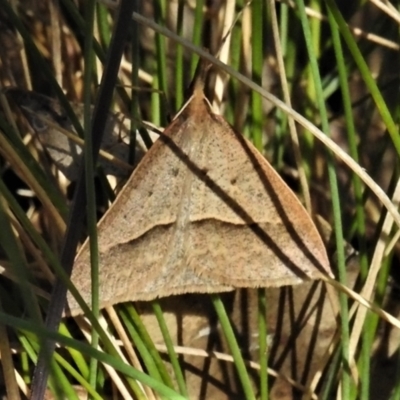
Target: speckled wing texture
203,212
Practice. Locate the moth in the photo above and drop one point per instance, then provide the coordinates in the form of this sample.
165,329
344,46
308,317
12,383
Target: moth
203,212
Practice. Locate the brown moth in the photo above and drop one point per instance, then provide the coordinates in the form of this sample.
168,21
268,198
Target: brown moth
203,212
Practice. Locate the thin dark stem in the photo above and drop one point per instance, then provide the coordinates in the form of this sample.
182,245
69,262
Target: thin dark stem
57,301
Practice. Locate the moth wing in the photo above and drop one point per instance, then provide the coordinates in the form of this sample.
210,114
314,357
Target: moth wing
247,228
137,237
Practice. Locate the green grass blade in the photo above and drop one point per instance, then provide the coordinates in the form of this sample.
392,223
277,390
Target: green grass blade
366,75
233,346
170,348
335,201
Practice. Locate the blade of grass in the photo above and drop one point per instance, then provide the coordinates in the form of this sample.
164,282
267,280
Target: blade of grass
103,26
10,247
78,358
257,60
7,364
366,75
179,76
197,33
170,348
121,386
134,107
161,60
145,337
292,127
89,387
262,343
233,346
331,374
91,213
59,384
336,208
141,346
361,228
